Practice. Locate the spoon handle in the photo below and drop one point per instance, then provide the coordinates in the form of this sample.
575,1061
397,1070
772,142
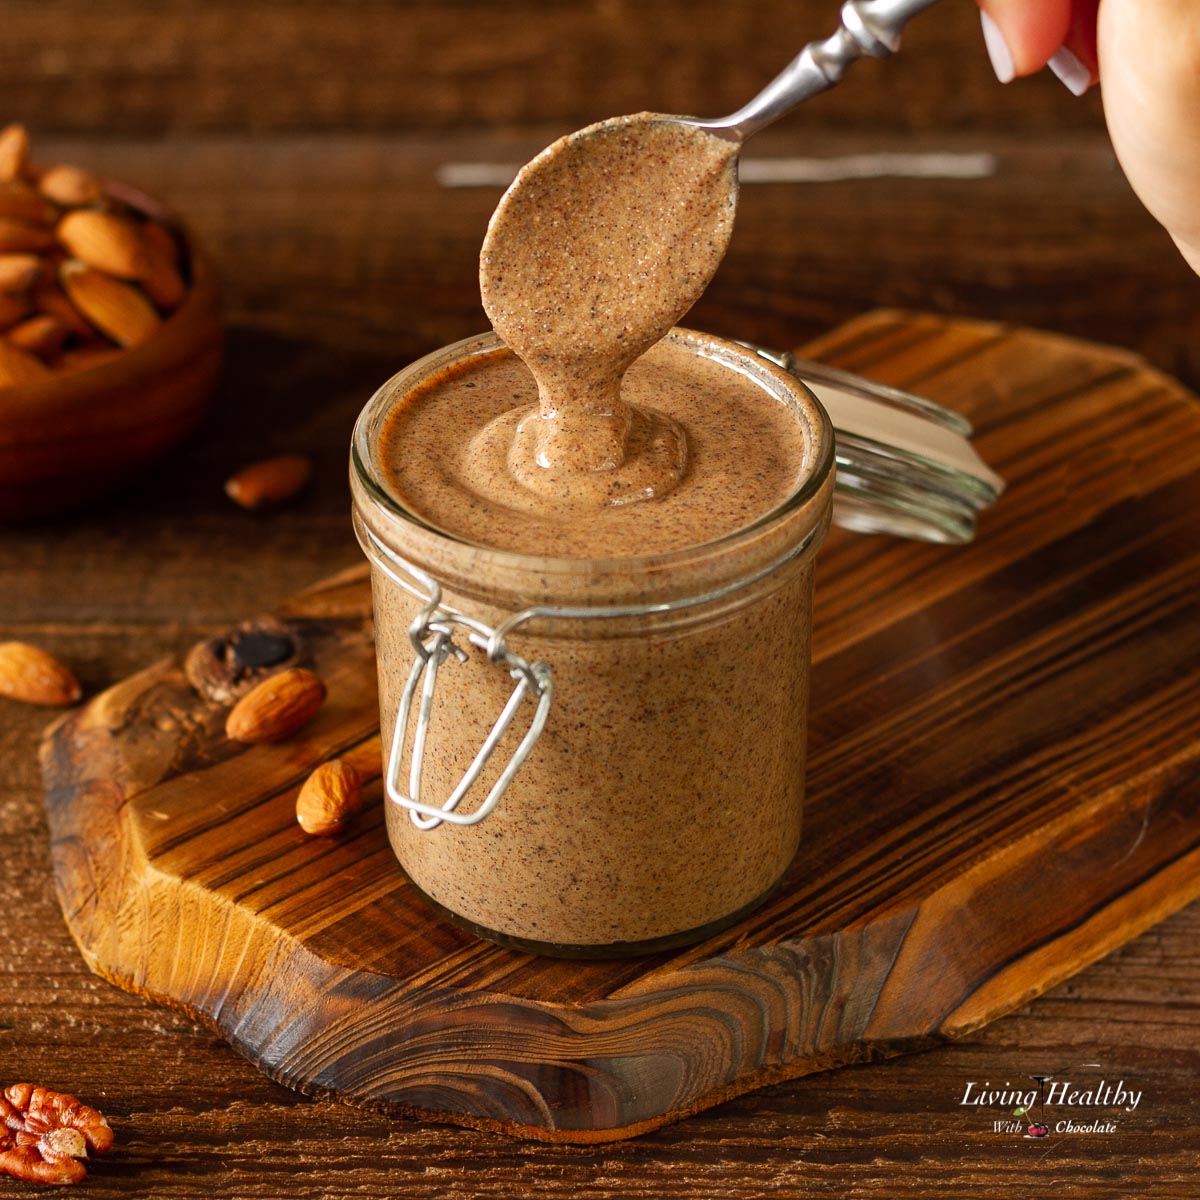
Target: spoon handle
867,27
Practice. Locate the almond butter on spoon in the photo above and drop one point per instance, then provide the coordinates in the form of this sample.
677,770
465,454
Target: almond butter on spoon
620,227
623,223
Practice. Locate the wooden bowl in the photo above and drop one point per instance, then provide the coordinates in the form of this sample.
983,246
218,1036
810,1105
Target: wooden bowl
70,439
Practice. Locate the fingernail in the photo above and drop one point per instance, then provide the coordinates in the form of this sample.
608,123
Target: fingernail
997,48
1069,67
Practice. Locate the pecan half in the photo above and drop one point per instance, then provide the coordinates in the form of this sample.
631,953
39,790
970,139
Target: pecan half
45,1134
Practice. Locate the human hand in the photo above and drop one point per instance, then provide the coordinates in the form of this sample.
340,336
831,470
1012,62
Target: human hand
1147,53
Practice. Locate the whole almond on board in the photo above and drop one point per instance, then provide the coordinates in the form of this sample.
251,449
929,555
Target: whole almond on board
271,482
18,237
18,368
14,152
20,202
12,309
104,240
18,272
42,335
331,795
117,309
278,707
69,186
32,675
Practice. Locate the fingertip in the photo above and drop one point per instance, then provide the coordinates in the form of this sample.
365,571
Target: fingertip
1030,32
1072,72
1191,253
997,48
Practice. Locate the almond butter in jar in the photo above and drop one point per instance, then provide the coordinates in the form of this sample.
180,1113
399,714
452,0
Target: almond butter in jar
652,658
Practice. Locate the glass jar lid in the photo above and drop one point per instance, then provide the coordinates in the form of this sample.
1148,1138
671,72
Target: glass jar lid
905,464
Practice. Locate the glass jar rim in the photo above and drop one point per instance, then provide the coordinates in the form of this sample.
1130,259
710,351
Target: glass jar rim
730,354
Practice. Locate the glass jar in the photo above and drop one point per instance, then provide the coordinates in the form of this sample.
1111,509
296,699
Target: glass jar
594,757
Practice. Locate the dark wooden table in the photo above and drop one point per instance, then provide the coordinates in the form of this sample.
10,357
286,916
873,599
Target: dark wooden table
303,141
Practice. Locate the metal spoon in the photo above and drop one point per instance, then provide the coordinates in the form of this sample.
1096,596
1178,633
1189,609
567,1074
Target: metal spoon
868,28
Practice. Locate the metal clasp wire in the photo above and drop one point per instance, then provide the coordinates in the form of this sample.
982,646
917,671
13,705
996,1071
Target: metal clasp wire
432,636
533,679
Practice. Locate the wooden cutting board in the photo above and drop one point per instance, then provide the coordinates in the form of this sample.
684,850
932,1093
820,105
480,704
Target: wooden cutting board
1004,785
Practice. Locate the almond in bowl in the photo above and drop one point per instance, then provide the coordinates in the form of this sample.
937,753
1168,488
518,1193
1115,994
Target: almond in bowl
110,339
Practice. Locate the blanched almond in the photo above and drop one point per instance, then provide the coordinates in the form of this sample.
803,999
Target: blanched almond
42,335
14,151
69,186
18,368
30,674
117,309
19,202
18,237
104,240
18,272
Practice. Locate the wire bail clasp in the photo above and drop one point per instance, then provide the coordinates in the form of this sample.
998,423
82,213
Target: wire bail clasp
432,636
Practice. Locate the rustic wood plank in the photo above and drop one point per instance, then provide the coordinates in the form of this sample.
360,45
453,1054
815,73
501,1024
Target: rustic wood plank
194,1120
150,66
1002,788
